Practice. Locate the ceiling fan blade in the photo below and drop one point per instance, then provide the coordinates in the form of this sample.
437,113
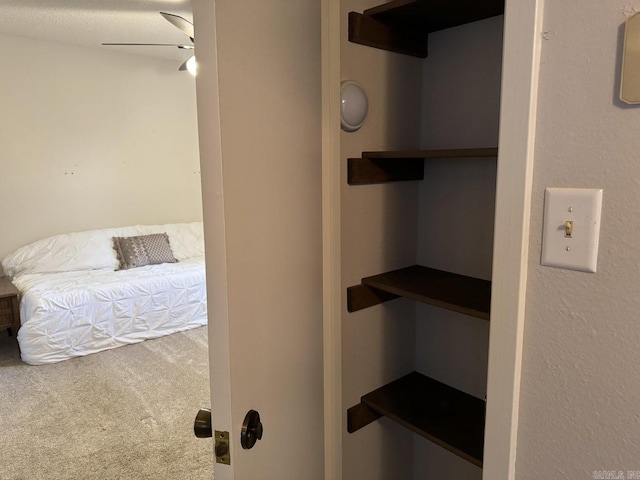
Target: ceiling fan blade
182,24
184,47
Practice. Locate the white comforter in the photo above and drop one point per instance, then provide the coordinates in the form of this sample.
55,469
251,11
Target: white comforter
73,313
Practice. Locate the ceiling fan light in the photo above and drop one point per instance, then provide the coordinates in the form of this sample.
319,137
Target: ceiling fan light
192,66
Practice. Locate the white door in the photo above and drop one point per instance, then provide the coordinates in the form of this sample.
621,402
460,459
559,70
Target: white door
259,115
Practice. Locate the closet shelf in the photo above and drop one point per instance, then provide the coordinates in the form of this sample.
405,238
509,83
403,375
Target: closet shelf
451,291
441,153
402,26
446,416
404,165
433,15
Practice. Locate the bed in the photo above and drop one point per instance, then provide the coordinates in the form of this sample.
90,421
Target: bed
76,298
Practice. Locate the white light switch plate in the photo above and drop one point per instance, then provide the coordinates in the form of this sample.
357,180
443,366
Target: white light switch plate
582,207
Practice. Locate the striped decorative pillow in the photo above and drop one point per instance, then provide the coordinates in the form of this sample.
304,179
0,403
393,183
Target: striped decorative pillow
143,250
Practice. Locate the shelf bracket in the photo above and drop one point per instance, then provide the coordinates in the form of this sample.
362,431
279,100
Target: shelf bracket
365,30
360,297
360,416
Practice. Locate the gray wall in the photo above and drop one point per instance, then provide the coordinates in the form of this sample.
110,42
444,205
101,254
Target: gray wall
580,388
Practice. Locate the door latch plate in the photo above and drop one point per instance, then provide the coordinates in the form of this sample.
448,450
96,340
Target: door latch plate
223,453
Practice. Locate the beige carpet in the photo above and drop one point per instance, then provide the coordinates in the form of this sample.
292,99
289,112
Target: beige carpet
122,414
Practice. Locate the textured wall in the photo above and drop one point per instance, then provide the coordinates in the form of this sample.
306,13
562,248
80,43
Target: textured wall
93,139
580,381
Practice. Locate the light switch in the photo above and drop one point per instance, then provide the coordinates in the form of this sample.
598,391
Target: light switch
571,228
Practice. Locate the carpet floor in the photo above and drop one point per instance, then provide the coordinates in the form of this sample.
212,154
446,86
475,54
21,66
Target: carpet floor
125,413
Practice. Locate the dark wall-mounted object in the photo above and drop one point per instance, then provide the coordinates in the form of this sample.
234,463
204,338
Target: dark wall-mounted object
365,30
446,416
459,293
404,165
402,26
252,430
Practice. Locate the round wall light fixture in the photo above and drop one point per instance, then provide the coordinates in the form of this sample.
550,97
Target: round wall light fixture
353,105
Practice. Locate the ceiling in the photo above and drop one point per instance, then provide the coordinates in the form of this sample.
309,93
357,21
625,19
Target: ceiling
88,23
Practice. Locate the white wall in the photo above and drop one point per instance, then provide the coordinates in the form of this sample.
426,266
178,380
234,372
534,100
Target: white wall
460,109
579,396
379,232
92,138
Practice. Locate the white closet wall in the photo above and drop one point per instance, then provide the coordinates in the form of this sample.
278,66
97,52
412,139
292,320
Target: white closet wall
460,109
379,226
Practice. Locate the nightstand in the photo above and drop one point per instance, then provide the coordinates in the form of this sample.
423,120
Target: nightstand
9,308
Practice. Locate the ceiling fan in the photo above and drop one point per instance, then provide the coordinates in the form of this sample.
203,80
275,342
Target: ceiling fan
186,27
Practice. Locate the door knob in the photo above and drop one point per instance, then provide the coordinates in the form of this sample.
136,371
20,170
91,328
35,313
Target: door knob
202,424
251,430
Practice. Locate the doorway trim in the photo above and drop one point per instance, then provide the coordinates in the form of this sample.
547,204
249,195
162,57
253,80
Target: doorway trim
519,93
331,238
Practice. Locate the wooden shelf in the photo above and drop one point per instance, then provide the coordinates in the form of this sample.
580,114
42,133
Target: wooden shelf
446,416
365,171
441,153
367,31
403,165
433,15
459,293
402,26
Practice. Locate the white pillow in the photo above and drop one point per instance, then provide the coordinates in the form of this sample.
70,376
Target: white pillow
93,249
